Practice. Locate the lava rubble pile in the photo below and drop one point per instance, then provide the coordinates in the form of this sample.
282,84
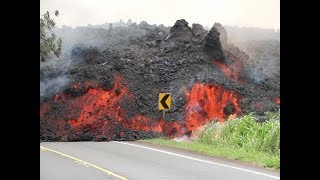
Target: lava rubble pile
109,91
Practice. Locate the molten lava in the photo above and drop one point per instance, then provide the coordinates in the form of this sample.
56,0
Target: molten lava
227,71
233,70
277,101
206,103
98,112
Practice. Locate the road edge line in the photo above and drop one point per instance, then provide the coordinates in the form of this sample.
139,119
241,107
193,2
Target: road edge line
79,160
200,160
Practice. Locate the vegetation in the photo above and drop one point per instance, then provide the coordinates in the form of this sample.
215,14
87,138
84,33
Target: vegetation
49,43
240,138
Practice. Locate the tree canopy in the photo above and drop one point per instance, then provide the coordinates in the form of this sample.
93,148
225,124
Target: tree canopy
49,42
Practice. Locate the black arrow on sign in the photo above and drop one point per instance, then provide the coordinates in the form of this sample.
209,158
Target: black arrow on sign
163,101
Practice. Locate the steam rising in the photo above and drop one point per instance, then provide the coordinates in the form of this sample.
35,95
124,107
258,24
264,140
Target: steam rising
49,87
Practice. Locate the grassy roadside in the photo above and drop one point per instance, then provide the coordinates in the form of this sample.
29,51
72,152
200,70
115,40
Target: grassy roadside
238,139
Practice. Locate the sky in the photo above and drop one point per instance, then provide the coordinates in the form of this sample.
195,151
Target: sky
248,13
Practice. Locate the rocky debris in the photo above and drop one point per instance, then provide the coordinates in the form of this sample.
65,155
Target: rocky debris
181,25
223,34
229,109
213,45
198,32
180,33
236,51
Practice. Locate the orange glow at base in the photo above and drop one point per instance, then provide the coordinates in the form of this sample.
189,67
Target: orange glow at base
101,112
206,103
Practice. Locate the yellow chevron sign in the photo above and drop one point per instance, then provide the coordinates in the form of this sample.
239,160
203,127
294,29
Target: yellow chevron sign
164,101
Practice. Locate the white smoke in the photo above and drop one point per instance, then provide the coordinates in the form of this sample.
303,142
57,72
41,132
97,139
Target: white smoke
52,86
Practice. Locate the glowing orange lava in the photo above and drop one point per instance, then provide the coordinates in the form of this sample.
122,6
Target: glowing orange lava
227,71
101,112
232,70
142,123
277,101
99,104
206,103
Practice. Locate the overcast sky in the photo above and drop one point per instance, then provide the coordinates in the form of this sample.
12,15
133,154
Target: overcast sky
250,13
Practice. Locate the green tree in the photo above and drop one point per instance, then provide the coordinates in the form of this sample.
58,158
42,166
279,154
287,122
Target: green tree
49,43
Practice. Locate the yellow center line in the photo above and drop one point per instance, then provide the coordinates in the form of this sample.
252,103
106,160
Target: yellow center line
84,162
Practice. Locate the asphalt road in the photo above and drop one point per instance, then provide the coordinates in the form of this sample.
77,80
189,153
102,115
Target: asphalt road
131,160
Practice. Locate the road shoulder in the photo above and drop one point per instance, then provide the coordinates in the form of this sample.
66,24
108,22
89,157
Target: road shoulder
221,160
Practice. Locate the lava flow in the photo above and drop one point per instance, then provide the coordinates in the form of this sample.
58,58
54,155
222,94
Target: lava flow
89,112
110,86
209,102
97,113
226,70
277,101
233,70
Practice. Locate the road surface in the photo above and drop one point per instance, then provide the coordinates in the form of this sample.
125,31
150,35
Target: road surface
132,160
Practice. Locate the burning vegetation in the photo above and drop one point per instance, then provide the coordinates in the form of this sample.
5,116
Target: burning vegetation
110,91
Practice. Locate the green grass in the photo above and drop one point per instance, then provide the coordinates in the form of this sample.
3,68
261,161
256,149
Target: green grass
240,139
